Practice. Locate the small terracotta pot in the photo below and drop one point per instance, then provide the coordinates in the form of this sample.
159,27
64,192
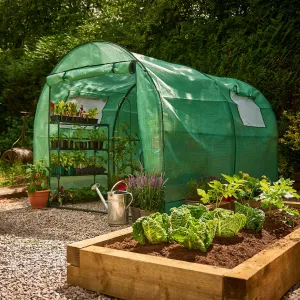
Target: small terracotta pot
39,199
145,213
192,201
135,213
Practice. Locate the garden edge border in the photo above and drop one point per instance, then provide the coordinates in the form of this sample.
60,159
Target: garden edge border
267,275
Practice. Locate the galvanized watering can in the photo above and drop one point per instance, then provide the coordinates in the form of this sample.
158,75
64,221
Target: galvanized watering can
117,211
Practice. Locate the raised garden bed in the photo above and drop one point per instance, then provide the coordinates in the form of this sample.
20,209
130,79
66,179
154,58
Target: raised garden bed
128,275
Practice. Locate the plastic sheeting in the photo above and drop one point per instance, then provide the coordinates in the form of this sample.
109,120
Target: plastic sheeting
188,124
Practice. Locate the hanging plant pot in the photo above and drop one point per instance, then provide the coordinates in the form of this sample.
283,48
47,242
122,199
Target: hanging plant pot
39,199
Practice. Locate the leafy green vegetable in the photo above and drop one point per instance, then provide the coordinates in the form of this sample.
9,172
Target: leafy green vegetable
229,224
138,232
156,227
196,210
179,216
219,190
291,211
272,195
196,234
255,216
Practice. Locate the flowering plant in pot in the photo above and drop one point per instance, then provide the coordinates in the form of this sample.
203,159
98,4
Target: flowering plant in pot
38,189
147,189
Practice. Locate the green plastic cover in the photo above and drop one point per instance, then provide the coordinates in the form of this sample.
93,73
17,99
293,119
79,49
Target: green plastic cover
188,124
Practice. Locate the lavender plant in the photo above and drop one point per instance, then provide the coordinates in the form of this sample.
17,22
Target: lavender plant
147,189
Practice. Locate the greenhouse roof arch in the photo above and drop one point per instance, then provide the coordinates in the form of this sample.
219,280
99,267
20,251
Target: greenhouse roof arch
190,124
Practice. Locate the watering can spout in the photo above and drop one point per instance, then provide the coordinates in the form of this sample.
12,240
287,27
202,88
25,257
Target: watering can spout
95,187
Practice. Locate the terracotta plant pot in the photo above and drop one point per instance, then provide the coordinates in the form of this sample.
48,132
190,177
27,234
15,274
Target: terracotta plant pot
192,201
135,213
145,213
39,199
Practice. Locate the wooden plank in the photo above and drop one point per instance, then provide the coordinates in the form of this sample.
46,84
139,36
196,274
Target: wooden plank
137,276
73,249
254,203
268,274
292,204
73,275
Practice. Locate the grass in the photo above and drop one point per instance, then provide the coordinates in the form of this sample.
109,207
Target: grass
9,174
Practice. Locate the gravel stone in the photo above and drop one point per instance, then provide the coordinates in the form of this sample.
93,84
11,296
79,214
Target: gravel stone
33,251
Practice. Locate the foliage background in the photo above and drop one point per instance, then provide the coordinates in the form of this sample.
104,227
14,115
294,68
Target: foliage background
256,41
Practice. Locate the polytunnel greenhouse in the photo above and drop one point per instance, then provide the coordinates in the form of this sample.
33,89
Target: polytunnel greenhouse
165,116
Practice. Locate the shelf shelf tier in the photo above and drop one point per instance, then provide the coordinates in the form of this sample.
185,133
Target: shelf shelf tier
75,178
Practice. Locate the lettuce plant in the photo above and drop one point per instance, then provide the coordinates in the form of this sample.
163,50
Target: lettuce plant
255,217
228,223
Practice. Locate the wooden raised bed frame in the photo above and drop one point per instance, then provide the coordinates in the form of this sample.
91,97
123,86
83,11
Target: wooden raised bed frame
127,275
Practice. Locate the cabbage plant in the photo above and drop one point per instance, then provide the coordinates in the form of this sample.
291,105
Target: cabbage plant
154,228
255,216
195,234
228,223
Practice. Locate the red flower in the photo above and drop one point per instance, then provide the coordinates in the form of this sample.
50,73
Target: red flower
36,175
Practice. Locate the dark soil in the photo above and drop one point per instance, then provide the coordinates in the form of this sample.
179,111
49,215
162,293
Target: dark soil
224,252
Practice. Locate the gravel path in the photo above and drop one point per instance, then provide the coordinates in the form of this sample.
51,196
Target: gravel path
33,252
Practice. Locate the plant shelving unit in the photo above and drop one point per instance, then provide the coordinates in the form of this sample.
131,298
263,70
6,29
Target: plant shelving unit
79,172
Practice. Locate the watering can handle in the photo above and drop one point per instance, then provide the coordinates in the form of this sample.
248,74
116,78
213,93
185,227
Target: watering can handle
130,201
118,184
126,191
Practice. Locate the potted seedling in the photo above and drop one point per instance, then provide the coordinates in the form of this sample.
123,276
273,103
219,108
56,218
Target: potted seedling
54,140
38,189
63,108
80,138
100,163
91,165
92,113
67,162
56,112
219,191
96,138
56,167
79,162
72,111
